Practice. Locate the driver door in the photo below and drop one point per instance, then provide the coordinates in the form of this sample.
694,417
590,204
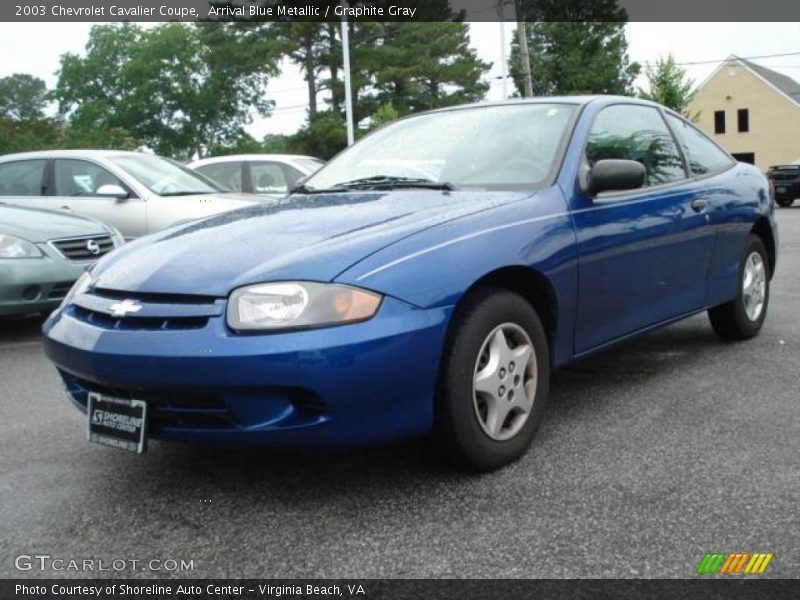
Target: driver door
75,182
644,253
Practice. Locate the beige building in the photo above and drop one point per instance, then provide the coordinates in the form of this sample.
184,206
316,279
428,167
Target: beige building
751,111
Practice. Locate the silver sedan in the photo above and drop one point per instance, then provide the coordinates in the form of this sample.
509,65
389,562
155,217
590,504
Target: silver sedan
135,192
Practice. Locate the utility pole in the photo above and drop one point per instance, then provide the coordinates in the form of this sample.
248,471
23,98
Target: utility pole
348,94
503,59
522,38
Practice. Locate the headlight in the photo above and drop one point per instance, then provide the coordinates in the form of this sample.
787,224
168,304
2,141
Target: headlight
81,286
14,247
290,305
116,236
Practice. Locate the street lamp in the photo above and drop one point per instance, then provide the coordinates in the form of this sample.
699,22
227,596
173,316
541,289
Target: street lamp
348,94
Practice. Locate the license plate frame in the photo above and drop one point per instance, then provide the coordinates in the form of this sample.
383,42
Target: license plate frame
117,422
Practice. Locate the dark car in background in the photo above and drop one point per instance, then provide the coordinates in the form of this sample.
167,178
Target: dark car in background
785,180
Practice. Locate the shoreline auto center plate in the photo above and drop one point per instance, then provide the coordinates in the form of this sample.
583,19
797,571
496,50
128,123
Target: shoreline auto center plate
117,422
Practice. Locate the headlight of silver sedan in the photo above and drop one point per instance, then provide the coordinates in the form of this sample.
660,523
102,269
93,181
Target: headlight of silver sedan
298,304
14,247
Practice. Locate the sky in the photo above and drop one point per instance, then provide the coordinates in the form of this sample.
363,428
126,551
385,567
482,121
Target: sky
35,48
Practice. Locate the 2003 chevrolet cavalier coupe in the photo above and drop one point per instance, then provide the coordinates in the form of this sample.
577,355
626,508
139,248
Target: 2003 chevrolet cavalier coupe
427,279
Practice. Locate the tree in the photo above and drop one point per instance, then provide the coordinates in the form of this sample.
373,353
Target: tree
176,88
323,136
575,47
668,85
420,66
22,97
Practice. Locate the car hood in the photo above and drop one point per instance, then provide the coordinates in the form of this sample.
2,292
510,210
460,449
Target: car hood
303,237
38,226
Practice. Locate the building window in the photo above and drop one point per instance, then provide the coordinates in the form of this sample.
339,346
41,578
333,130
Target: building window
745,157
719,121
743,116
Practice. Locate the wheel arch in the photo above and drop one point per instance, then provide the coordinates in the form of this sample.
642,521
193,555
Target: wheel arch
763,230
529,283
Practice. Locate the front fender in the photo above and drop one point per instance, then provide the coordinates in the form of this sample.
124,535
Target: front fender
435,267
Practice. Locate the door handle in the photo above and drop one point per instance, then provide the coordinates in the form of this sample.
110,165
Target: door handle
698,205
66,208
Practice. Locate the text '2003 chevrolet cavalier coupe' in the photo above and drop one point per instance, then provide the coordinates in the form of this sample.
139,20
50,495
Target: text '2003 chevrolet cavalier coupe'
428,279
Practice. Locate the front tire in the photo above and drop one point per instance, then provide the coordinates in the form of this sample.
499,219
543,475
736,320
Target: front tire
785,202
742,318
494,381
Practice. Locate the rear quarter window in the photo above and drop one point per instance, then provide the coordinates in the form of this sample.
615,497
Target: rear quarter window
703,155
22,178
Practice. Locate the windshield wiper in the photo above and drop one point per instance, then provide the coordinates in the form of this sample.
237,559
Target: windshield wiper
302,189
390,181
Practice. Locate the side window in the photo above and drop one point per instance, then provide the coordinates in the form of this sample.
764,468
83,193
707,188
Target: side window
226,174
22,178
268,178
702,154
81,178
636,133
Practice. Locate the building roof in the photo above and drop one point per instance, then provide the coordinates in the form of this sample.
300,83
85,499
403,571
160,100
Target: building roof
784,83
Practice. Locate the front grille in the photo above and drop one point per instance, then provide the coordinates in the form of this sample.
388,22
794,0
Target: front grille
159,298
785,176
166,408
84,248
134,323
59,290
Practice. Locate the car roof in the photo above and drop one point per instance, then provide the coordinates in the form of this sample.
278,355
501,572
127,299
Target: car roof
577,100
70,154
264,156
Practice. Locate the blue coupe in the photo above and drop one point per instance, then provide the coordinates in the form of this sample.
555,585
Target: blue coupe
426,280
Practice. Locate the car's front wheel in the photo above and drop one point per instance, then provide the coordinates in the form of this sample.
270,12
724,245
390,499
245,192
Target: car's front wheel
785,202
494,380
742,318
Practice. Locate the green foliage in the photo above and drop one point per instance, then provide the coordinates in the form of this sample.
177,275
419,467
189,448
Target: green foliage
244,143
324,135
580,49
386,113
669,86
22,97
27,135
175,88
420,66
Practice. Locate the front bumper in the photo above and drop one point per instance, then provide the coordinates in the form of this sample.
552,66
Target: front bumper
353,385
29,285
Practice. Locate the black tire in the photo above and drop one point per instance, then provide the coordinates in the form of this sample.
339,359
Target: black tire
457,428
730,320
785,202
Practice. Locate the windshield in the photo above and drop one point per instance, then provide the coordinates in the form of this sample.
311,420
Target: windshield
165,177
489,147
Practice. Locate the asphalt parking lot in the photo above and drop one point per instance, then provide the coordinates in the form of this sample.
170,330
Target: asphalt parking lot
651,454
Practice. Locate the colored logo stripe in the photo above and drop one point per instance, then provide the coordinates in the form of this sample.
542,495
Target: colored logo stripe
734,562
758,563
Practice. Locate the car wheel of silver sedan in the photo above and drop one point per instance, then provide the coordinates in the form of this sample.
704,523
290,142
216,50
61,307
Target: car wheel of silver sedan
494,380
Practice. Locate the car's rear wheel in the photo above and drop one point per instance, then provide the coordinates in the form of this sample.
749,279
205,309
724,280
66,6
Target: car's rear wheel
743,317
785,202
494,380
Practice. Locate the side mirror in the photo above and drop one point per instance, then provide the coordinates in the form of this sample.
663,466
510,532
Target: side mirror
111,190
615,175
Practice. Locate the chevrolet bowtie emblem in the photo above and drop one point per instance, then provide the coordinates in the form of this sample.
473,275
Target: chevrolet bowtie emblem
120,309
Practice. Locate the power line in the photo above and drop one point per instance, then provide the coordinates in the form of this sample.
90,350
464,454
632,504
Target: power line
721,60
